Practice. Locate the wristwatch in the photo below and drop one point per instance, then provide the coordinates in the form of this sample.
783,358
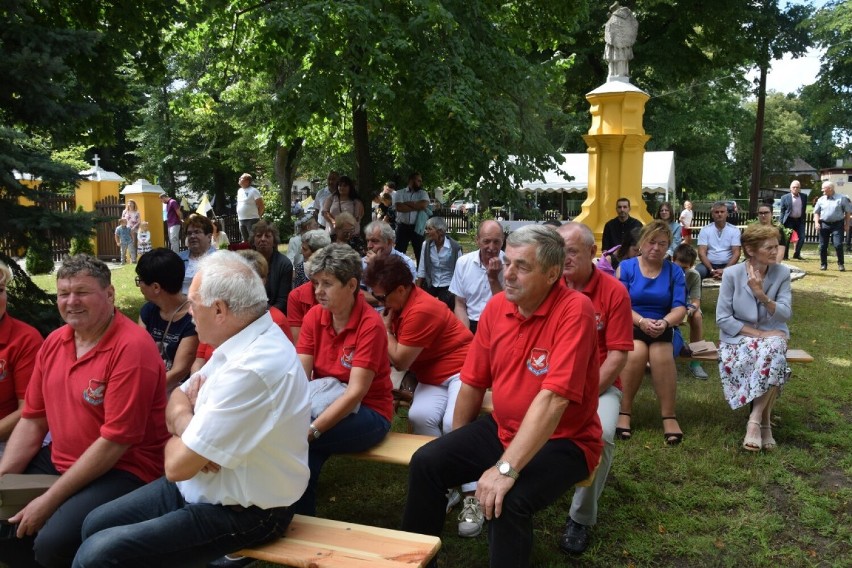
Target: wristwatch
504,468
315,433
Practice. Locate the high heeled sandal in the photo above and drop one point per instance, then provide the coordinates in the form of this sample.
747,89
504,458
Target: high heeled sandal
752,443
767,441
672,438
623,433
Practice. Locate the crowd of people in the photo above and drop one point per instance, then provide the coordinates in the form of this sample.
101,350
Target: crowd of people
248,370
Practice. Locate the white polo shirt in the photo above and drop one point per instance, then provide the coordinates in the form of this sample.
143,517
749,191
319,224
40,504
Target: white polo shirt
470,283
251,417
718,242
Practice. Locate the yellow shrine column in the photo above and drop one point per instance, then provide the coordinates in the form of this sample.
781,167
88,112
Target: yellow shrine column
97,184
616,147
147,198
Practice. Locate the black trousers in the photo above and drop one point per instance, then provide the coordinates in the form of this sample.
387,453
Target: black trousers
405,235
797,225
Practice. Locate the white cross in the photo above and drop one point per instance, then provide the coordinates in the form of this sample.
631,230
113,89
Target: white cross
97,159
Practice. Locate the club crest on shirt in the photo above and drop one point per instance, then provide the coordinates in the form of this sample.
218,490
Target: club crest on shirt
94,393
599,322
539,361
346,357
3,371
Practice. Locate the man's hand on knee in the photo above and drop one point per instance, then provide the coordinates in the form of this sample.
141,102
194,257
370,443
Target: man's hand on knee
491,488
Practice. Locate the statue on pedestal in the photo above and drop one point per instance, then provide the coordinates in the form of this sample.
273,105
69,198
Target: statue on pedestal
620,35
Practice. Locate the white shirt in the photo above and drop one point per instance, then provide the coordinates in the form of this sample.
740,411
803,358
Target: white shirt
247,203
718,242
470,283
405,195
319,201
251,418
686,218
440,258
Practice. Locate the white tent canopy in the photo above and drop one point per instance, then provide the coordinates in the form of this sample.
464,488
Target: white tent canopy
657,175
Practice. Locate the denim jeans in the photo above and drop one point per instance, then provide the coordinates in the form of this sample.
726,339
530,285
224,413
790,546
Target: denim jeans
357,432
464,454
154,526
834,233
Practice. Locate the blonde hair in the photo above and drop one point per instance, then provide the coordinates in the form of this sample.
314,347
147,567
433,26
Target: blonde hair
655,227
755,235
5,274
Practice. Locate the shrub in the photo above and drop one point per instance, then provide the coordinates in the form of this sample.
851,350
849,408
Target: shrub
39,259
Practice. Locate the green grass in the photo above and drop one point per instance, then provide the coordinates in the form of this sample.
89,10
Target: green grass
703,503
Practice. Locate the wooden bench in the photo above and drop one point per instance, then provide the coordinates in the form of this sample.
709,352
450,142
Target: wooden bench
793,356
397,448
322,543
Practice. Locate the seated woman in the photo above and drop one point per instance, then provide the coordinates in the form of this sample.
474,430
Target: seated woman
347,231
666,213
312,241
345,339
629,248
658,294
166,317
424,338
19,344
219,238
764,217
755,303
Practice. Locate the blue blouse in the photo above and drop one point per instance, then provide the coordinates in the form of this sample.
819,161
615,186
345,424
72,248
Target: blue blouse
653,297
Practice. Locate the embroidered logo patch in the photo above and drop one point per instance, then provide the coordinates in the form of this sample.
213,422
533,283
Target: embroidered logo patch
346,357
538,362
3,371
94,393
599,322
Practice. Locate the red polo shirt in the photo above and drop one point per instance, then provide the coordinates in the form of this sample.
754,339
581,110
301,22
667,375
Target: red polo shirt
300,300
554,349
613,315
362,343
445,341
19,344
116,391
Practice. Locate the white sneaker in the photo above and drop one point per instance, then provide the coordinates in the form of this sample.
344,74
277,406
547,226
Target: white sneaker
471,518
698,372
453,499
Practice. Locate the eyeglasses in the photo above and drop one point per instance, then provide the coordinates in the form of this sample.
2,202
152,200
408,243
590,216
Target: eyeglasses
380,298
190,233
763,212
138,281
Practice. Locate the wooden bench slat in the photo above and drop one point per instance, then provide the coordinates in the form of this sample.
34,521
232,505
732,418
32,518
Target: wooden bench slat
322,543
395,448
793,356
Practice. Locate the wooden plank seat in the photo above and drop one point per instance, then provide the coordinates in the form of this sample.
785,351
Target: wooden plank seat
793,356
397,448
311,542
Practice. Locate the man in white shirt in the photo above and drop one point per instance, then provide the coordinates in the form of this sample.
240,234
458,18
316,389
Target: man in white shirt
439,256
479,274
408,203
380,240
238,456
686,222
322,195
249,206
718,244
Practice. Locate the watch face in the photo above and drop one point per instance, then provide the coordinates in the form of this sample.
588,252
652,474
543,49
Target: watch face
504,468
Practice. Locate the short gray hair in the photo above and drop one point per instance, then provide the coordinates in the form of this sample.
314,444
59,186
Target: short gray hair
339,260
719,205
229,277
550,246
385,230
828,183
316,239
85,264
586,233
438,224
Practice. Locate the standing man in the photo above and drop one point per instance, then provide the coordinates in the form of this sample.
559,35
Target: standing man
174,216
686,222
718,244
536,349
279,281
478,275
100,384
408,203
618,228
831,216
793,208
323,194
249,206
238,455
440,254
614,324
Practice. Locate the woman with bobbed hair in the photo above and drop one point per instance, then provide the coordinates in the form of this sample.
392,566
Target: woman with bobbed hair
165,315
343,338
755,303
667,213
424,338
657,289
312,241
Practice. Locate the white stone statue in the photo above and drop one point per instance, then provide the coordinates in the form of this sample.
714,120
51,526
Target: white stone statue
620,35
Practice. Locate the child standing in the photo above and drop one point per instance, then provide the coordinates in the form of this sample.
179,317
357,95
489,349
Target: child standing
685,256
143,238
124,240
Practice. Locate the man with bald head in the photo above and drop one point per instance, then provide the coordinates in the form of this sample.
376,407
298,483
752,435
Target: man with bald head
614,324
793,207
478,274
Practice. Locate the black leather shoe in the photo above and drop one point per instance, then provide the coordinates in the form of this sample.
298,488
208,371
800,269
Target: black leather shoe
798,257
575,538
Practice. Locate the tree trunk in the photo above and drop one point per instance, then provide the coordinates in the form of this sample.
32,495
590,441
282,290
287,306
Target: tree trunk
757,150
362,157
285,170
